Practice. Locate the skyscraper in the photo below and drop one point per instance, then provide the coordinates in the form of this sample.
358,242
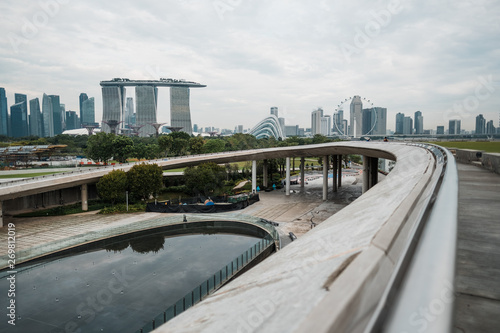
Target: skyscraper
338,123
440,130
113,102
274,110
19,120
4,113
35,118
356,116
83,97
72,121
316,116
326,125
180,114
419,123
490,128
129,113
88,112
454,126
57,118
408,125
480,124
400,121
48,116
380,127
146,99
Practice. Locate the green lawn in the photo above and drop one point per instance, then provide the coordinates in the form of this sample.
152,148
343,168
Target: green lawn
489,147
28,175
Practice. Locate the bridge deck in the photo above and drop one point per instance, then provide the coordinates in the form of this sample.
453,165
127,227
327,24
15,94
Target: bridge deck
478,262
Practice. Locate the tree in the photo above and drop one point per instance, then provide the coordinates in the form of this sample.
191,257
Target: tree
214,146
100,147
123,148
112,187
165,142
145,180
206,178
196,144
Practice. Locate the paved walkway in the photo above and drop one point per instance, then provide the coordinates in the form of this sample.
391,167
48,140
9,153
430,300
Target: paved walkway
478,257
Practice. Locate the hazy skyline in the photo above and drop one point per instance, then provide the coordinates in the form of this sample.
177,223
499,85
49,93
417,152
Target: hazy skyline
442,59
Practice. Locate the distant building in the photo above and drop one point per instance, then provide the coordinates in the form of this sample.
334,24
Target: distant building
88,112
72,121
454,126
356,114
408,126
82,98
48,116
180,113
239,129
57,119
146,101
326,126
35,118
381,123
129,113
490,128
400,121
4,113
268,127
195,128
480,124
419,123
274,111
19,116
440,130
338,123
292,131
316,116
113,102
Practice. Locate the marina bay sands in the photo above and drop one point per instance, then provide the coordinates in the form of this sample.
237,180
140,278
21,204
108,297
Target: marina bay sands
146,97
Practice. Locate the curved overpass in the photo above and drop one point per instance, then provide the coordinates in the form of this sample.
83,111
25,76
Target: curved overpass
384,263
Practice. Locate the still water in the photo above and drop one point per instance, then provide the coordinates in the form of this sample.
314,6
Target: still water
117,288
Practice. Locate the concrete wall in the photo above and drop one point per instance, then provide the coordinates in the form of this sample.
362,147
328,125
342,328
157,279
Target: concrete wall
47,200
491,161
468,155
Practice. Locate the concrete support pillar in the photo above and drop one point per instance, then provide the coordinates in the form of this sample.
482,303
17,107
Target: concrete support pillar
85,198
265,175
373,171
339,169
1,214
287,186
366,173
325,177
302,173
334,173
254,176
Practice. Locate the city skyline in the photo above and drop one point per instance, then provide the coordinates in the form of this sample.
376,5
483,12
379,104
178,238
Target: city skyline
253,55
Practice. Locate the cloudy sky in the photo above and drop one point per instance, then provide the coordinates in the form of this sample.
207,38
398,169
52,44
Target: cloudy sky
439,57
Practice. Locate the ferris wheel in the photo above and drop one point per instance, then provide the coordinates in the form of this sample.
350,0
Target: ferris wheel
340,127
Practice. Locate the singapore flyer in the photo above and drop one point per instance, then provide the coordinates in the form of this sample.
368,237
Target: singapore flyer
356,106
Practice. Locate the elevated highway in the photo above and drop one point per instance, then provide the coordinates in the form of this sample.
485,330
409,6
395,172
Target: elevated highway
384,263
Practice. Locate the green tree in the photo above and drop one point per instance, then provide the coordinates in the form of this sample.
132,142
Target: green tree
196,144
112,187
123,148
206,178
165,143
144,180
214,146
100,147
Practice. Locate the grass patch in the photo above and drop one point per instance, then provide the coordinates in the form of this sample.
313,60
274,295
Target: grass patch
489,147
28,175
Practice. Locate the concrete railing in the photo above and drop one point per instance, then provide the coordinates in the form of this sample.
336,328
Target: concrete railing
490,161
373,266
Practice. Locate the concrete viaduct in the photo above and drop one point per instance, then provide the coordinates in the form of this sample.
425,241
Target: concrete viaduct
386,262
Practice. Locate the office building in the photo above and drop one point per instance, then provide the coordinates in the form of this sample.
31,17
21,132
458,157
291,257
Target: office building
113,102
480,124
454,126
88,112
326,126
82,98
316,116
490,128
368,121
380,127
19,116
440,130
180,113
338,123
57,119
408,126
47,116
72,120
292,131
400,120
419,123
35,118
146,99
356,114
4,113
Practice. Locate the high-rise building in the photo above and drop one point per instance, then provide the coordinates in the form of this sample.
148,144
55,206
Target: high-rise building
35,119
380,127
356,116
419,123
83,97
490,128
338,123
63,116
326,125
48,116
113,102
368,120
88,112
56,114
180,114
19,116
400,121
4,113
440,130
408,125
146,98
72,121
480,124
282,124
454,126
291,130
316,116
129,113
274,110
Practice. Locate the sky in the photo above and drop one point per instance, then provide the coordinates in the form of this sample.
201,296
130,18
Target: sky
439,57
